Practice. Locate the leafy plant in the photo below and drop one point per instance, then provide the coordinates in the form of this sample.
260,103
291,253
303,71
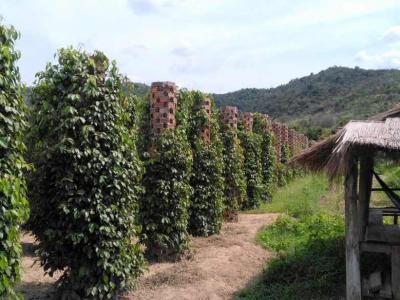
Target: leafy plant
86,186
251,143
13,202
206,206
310,263
164,207
268,156
233,173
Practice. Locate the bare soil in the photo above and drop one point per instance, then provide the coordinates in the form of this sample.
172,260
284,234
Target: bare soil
220,266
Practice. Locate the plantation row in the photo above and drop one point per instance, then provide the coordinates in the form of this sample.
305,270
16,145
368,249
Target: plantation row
104,191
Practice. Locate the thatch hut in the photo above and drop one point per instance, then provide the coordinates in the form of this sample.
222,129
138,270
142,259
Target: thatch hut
351,153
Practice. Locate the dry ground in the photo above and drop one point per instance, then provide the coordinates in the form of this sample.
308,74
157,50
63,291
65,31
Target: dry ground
220,266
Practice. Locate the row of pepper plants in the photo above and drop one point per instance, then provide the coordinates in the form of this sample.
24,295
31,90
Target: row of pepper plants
100,201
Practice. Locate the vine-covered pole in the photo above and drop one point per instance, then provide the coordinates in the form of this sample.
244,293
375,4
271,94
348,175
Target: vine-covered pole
234,176
13,202
87,180
207,201
164,207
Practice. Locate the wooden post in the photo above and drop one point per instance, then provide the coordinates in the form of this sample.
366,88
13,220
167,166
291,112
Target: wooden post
365,185
396,272
353,276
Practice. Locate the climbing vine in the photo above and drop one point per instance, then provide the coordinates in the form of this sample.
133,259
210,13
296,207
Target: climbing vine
268,156
233,172
206,205
251,143
86,186
13,203
164,207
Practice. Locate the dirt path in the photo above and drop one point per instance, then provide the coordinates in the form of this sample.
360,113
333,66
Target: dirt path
221,265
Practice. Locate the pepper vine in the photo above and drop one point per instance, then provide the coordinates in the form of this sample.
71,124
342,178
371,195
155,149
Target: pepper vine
86,186
13,202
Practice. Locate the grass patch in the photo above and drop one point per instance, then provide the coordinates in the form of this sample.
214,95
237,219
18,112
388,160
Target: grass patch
309,241
307,195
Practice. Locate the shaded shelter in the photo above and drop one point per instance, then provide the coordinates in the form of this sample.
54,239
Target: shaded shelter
351,152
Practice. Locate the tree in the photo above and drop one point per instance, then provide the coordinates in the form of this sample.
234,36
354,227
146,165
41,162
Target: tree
13,202
86,186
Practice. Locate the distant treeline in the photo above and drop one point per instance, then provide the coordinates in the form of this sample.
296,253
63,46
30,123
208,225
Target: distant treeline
318,103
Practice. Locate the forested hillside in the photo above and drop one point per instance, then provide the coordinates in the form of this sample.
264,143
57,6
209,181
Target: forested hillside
318,103
323,100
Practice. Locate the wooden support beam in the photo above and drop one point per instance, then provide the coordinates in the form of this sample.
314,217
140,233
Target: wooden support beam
396,272
365,185
353,276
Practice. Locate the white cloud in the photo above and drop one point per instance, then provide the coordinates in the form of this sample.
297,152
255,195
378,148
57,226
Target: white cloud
386,59
384,53
392,35
214,45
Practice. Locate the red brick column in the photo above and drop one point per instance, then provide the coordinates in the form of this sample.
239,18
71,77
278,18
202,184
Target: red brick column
206,130
247,119
229,116
163,101
276,129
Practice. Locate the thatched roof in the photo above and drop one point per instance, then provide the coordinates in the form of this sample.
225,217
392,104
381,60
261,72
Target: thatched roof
391,113
380,132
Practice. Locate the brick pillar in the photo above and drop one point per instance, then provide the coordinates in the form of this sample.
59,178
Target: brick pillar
291,141
276,129
206,130
229,116
284,134
163,101
298,143
247,119
268,120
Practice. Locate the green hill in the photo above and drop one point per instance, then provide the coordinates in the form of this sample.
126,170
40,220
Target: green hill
318,103
322,101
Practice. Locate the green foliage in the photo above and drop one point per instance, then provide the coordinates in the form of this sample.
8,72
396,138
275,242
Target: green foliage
164,207
86,186
324,100
311,263
268,156
233,173
207,201
304,196
251,143
13,203
288,234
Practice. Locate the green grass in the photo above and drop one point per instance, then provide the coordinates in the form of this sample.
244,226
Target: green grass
309,241
390,173
307,195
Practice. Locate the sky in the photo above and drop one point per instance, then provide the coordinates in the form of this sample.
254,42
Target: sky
210,45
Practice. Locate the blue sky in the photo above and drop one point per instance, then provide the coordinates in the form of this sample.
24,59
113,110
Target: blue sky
211,45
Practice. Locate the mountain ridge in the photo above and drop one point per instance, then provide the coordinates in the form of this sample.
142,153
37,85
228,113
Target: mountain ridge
318,103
